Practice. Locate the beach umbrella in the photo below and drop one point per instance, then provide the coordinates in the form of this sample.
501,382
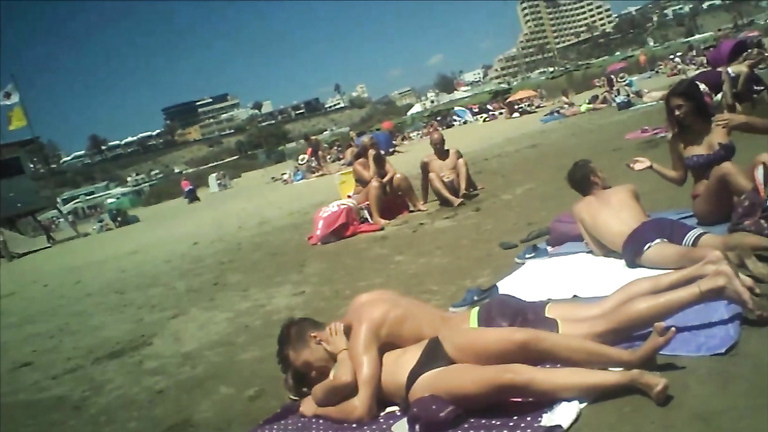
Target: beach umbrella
522,94
616,66
387,125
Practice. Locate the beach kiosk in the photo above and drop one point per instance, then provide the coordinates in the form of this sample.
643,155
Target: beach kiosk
20,196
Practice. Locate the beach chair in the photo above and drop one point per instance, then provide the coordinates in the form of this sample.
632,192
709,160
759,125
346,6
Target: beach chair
345,184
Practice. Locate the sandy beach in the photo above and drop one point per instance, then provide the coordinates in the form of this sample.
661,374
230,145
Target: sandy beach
170,325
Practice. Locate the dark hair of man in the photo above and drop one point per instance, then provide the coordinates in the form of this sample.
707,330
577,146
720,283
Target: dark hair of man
580,176
294,335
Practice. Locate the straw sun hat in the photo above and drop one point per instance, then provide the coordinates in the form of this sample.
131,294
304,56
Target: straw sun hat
622,77
303,159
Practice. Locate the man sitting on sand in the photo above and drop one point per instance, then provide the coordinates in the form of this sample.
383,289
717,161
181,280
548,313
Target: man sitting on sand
380,321
447,172
378,183
612,220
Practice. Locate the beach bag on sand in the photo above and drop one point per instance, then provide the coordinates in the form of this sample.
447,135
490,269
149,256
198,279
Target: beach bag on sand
337,221
563,229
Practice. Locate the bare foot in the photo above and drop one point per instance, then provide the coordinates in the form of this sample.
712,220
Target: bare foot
380,222
420,207
733,289
660,337
457,202
653,385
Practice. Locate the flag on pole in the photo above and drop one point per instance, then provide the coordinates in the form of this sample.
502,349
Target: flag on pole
16,118
10,95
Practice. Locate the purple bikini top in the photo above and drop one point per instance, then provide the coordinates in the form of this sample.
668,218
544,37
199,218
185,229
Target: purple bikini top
724,153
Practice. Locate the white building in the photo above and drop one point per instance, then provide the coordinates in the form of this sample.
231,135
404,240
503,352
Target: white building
474,76
360,91
266,107
404,96
335,102
550,26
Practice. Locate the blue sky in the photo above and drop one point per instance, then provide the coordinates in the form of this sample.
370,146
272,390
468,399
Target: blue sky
109,67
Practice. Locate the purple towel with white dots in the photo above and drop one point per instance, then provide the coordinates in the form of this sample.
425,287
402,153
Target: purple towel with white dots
427,414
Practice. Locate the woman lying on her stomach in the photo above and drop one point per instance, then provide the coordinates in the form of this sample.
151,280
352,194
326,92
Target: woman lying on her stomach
440,366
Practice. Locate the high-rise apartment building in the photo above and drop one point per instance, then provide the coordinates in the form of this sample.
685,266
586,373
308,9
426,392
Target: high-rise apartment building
549,26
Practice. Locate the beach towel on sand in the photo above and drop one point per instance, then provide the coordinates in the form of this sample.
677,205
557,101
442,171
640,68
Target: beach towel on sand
431,414
707,329
337,221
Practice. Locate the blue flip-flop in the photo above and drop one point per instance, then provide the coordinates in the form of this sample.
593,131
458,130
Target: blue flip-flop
473,297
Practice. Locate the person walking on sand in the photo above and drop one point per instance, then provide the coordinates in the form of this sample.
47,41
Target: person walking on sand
446,171
190,193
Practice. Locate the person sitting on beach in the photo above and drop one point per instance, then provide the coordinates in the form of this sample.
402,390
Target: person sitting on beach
446,171
612,220
705,149
379,321
378,183
438,367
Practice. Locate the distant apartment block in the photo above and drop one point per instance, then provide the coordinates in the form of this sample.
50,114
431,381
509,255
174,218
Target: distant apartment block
188,114
474,76
549,26
296,110
404,96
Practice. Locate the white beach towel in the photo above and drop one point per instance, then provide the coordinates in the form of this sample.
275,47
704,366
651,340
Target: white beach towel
583,275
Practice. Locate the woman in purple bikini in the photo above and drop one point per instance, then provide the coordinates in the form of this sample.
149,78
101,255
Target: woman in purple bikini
721,190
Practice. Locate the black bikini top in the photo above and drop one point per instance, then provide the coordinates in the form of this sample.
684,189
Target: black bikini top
724,153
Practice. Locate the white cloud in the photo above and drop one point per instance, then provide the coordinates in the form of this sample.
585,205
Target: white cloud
435,59
396,72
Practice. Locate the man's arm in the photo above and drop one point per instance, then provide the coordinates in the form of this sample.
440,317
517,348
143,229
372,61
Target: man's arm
366,361
742,123
424,180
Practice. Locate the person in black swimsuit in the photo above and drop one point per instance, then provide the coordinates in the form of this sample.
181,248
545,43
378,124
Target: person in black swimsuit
704,148
441,365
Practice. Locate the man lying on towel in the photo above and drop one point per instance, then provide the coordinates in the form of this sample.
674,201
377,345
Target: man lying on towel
612,220
439,368
380,321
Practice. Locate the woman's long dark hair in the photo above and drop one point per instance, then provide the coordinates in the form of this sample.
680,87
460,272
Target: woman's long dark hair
689,91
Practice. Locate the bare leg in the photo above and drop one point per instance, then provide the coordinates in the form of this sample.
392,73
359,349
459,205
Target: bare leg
641,313
466,182
579,310
503,345
738,247
403,186
375,198
442,192
494,384
715,202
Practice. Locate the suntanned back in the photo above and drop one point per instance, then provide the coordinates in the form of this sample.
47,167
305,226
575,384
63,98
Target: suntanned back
610,215
397,320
